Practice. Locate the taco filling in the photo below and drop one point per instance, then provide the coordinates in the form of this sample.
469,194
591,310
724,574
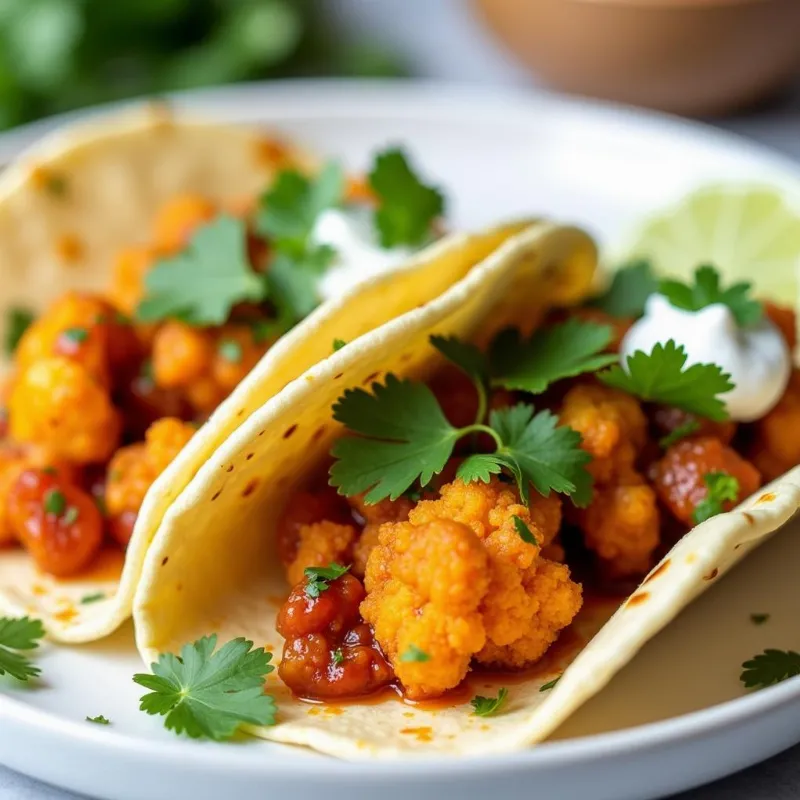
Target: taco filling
463,519
106,388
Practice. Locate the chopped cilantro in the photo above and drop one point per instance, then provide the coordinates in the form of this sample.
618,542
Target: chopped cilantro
769,668
76,335
318,578
56,184
71,515
17,635
55,502
680,432
706,291
722,488
99,720
524,531
626,295
210,694
487,706
338,344
95,597
203,283
337,657
412,654
18,320
661,376
406,206
546,687
262,330
759,619
230,350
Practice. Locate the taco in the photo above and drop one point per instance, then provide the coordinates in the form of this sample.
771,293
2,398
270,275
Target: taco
180,273
456,529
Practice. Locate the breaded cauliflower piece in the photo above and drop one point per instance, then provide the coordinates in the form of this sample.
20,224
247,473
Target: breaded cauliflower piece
517,614
622,526
57,403
776,447
374,516
134,468
425,584
612,424
320,544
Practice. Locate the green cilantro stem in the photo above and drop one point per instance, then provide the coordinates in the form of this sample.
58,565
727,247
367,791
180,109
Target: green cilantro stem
478,427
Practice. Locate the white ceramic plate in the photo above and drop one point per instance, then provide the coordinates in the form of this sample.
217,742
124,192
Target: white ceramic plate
676,717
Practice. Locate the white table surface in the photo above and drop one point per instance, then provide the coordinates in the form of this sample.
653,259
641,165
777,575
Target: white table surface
439,39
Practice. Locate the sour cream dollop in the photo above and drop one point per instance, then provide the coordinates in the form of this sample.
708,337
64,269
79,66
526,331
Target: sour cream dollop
756,357
359,255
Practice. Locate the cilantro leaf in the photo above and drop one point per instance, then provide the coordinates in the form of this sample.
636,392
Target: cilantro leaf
546,687
338,344
769,668
19,634
479,467
209,694
413,654
412,439
486,706
99,720
407,207
337,657
538,452
706,290
17,322
95,597
722,488
318,578
680,432
54,502
661,376
201,284
551,354
467,357
630,286
525,533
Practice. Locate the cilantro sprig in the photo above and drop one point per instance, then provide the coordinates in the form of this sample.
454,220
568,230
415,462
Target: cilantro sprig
18,320
721,488
209,693
413,654
630,286
406,206
318,579
769,668
487,706
707,290
662,376
679,432
18,635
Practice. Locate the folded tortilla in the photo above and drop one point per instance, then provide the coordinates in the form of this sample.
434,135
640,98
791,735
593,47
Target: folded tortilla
213,566
110,177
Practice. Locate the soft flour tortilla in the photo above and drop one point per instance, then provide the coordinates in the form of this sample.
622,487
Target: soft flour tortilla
213,567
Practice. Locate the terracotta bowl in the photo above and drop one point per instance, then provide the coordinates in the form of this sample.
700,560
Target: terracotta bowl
687,56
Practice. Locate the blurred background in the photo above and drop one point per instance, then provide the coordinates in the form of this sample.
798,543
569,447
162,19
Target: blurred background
697,57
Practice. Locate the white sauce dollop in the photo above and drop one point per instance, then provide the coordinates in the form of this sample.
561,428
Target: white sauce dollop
359,255
756,357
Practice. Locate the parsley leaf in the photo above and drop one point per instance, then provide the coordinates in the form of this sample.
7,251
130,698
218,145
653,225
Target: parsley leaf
413,654
546,687
631,285
338,344
318,578
479,467
680,432
706,291
769,668
17,322
486,706
407,207
722,487
210,694
525,533
19,634
337,657
661,376
55,502
99,720
759,619
201,284
551,354
467,357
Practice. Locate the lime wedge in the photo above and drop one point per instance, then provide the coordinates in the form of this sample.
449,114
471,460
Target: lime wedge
748,232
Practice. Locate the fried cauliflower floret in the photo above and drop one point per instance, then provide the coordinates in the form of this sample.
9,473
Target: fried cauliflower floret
621,525
612,425
425,584
134,468
181,354
12,465
58,404
776,447
374,516
127,278
320,544
553,600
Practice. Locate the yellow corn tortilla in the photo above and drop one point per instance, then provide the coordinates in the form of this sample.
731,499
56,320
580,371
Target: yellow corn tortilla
213,567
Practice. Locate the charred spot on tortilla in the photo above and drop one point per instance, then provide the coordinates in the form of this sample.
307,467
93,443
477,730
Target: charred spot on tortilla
749,517
229,468
249,456
216,495
767,497
319,433
370,378
53,183
251,486
711,575
638,598
164,561
338,375
289,431
69,248
271,153
659,570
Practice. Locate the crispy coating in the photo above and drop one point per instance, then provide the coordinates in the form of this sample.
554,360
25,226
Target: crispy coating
58,404
612,424
425,584
127,277
374,516
12,464
134,468
320,544
235,353
511,616
776,445
181,354
622,526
